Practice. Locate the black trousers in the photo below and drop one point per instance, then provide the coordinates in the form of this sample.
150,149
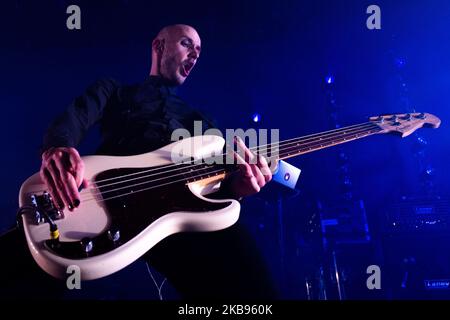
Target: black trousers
217,265
20,276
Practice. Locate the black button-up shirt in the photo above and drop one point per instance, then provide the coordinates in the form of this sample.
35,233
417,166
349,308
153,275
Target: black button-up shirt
133,119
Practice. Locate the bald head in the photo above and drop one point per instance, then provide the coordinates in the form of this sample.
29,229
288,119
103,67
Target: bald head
173,29
175,51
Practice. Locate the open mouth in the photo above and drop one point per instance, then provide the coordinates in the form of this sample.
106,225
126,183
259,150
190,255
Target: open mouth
186,68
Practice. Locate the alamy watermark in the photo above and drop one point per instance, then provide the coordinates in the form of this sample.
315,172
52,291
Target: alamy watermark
74,279
374,280
373,22
74,20
257,141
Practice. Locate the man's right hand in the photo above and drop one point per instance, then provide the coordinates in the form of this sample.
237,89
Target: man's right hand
62,170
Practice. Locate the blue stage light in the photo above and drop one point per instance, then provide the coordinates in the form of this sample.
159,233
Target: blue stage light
400,62
329,79
256,117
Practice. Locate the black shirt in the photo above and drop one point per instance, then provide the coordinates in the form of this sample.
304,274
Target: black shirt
133,119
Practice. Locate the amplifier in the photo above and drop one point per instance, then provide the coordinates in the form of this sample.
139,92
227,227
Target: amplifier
418,214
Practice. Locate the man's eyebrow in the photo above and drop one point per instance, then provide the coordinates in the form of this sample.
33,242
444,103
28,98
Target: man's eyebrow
191,42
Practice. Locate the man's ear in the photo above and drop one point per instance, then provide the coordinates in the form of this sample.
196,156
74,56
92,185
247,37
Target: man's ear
158,45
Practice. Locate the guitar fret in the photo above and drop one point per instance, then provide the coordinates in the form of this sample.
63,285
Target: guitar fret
317,142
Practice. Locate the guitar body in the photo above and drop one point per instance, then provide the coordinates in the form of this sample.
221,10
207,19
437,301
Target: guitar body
116,224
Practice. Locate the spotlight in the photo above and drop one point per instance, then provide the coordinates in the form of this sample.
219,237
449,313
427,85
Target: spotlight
329,79
256,117
429,171
422,141
400,62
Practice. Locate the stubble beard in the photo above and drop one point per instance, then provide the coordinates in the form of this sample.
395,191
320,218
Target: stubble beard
169,71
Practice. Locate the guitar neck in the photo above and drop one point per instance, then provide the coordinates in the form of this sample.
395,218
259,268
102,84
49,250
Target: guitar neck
403,124
291,148
298,146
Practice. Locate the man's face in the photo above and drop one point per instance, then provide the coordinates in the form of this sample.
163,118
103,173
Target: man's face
181,50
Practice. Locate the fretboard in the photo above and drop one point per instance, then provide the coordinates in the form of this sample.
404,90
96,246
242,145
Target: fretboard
291,148
298,146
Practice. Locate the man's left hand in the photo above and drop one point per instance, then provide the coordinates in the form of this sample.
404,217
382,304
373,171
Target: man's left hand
253,173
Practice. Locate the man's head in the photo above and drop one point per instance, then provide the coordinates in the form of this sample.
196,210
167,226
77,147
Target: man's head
175,51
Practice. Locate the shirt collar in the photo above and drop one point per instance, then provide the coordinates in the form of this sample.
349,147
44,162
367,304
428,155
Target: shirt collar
161,84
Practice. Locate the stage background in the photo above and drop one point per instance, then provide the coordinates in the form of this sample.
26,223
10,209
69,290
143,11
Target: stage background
270,57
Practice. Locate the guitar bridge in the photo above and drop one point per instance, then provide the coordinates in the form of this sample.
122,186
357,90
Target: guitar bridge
45,211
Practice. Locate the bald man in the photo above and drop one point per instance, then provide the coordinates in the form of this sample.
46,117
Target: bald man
175,51
135,119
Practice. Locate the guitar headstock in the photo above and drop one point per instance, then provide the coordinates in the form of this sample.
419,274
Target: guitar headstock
405,123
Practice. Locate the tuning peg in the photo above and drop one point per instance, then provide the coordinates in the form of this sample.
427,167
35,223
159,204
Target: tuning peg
380,119
407,117
421,116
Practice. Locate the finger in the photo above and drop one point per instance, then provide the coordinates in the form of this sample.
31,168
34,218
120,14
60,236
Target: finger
46,155
76,166
273,164
255,164
264,168
69,185
59,184
248,172
243,166
261,181
57,200
248,155
254,184
48,179
84,185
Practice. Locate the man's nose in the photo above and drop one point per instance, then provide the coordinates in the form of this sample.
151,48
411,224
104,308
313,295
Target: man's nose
193,54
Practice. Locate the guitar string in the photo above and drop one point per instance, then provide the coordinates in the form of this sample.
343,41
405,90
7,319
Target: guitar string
183,173
219,171
179,166
189,168
297,141
206,166
301,139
